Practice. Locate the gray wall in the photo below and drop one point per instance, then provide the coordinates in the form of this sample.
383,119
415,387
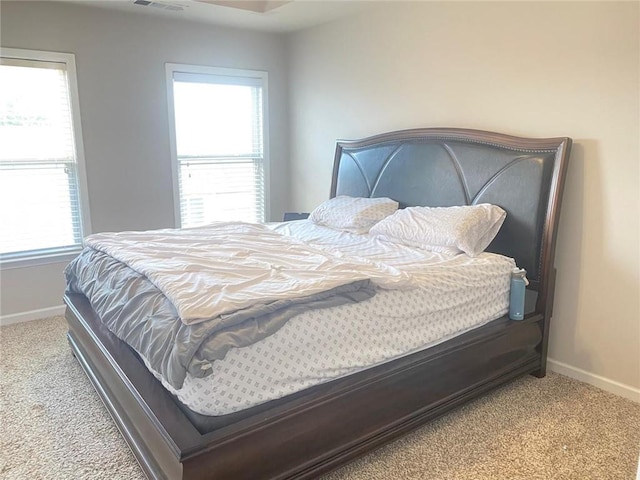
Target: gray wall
531,69
120,58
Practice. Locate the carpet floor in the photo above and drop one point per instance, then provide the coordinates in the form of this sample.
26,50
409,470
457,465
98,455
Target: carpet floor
53,426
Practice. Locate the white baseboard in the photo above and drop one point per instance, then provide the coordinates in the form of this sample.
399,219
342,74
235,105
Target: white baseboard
612,386
31,315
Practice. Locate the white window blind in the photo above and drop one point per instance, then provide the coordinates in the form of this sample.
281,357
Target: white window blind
219,131
40,207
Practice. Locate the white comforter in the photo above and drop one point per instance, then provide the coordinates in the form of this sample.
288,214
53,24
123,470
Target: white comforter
224,267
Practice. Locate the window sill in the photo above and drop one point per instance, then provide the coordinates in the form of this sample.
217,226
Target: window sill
38,259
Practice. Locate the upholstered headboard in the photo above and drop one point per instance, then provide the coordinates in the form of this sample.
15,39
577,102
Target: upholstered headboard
448,166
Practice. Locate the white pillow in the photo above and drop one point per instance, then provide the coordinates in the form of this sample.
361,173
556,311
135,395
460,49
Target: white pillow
469,229
356,215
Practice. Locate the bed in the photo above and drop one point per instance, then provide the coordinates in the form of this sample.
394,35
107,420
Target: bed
315,430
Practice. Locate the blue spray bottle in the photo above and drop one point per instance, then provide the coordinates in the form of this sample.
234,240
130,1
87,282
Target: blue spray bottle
519,283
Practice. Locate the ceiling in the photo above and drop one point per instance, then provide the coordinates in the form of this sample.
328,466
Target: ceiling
264,15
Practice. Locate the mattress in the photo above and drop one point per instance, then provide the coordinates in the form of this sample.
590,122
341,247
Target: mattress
321,345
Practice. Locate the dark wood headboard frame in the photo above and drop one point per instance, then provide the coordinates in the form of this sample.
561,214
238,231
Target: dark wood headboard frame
484,167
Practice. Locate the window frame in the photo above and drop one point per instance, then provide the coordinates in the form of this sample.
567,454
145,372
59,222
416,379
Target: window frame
172,68
57,254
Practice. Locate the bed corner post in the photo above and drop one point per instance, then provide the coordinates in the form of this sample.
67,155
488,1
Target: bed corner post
563,151
546,324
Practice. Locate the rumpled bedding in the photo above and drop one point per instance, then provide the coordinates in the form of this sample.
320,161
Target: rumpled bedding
139,304
225,267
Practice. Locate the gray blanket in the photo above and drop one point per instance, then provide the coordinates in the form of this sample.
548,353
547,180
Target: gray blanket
133,309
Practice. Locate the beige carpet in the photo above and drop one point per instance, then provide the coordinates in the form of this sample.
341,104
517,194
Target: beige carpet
53,426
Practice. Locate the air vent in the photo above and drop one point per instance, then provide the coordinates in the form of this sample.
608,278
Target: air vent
159,5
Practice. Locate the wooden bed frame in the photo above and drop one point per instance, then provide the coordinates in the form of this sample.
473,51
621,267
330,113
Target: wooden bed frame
317,430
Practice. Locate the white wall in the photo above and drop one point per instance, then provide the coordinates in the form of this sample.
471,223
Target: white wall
120,59
530,69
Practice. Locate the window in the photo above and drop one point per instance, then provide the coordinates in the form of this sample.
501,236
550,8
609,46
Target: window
42,185
218,147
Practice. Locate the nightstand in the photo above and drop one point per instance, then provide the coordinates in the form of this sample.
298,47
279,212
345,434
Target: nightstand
289,216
